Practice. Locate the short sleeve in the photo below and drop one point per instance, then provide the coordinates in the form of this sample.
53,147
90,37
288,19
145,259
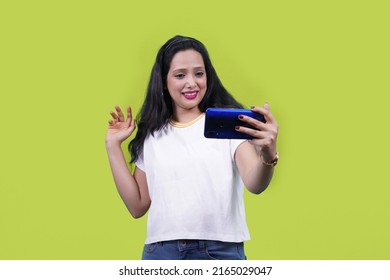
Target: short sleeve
234,143
140,162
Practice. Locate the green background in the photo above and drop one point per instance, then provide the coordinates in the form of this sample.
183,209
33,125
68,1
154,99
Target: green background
322,65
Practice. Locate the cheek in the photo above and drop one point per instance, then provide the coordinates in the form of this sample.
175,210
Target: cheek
204,84
172,85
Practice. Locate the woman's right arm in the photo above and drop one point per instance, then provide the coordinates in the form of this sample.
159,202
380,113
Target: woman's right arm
133,189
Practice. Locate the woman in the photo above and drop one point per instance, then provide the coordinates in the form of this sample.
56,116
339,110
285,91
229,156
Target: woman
192,186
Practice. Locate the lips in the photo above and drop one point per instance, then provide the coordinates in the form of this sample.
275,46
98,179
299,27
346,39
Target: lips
190,94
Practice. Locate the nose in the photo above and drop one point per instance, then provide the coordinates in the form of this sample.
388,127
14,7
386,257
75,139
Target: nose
191,82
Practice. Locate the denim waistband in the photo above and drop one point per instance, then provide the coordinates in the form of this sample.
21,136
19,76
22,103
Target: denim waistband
187,244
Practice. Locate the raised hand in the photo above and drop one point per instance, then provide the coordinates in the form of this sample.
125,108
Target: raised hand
265,134
120,128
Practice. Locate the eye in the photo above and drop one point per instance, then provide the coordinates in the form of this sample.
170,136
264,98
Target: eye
179,75
199,73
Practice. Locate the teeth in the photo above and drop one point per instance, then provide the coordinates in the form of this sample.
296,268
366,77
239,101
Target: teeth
190,94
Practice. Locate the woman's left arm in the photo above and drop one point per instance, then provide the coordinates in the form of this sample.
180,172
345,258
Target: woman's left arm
257,157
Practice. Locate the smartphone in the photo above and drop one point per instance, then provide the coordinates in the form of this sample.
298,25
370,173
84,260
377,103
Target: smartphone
220,123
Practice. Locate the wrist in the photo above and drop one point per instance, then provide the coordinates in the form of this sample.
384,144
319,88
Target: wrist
110,144
271,162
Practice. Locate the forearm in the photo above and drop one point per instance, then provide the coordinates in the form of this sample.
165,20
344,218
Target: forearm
125,182
259,176
255,172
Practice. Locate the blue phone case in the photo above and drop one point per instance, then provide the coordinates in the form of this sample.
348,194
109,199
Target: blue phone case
220,123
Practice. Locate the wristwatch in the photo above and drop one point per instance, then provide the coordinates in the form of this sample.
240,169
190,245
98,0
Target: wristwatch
271,163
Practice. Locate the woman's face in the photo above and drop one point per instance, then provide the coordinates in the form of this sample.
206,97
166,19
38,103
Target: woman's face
186,82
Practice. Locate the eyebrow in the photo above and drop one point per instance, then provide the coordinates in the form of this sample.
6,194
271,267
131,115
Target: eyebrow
185,69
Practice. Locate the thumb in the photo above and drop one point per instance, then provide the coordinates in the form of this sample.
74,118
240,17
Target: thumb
131,126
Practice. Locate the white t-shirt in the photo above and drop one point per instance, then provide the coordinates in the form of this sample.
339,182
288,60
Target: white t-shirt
194,185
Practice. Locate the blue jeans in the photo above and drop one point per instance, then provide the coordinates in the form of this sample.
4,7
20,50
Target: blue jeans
194,250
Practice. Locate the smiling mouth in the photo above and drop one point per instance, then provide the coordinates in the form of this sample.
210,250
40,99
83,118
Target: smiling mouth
190,94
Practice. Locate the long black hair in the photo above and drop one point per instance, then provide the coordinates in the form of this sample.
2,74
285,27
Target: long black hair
157,108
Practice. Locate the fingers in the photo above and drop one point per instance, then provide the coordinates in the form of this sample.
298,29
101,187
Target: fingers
270,124
129,115
265,111
264,134
253,122
118,116
129,119
258,134
264,139
114,118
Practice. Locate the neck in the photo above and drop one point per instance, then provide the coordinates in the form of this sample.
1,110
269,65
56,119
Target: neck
184,116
